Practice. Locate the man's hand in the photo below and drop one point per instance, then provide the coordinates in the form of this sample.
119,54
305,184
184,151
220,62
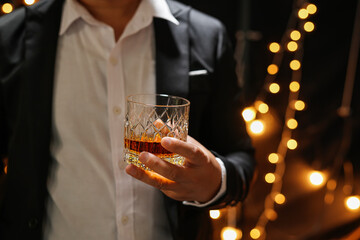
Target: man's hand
198,180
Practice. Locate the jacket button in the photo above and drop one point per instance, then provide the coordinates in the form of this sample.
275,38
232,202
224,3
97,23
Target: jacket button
33,223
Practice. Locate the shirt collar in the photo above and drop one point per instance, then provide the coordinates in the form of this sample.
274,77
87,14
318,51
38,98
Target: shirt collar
74,10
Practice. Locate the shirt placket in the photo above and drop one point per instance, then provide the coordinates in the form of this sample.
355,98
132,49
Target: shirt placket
116,109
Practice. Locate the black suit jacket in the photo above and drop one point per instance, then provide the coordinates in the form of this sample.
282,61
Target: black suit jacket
28,42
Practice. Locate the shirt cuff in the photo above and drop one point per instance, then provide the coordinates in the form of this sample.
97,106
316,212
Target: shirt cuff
220,193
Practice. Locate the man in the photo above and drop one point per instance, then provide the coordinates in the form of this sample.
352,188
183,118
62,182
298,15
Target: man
66,68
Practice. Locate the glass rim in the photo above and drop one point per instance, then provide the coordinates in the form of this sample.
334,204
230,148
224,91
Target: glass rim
187,102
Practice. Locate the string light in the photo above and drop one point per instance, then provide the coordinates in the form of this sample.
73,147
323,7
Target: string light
279,198
292,123
295,35
311,8
294,86
299,105
257,127
249,114
29,2
270,178
331,185
7,8
352,202
273,158
271,214
292,46
230,233
272,69
291,144
295,65
274,88
263,107
274,47
255,233
292,40
214,214
303,13
309,26
316,178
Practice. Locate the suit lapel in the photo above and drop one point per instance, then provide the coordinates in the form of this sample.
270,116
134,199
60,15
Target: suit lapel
42,26
172,53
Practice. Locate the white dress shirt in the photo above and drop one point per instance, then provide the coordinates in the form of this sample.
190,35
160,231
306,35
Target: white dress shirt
90,195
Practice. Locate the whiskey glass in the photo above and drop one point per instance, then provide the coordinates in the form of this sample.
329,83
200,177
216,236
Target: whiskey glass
149,118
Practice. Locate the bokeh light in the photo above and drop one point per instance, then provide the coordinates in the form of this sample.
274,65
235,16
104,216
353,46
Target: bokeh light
295,65
309,26
292,46
230,233
257,127
249,114
273,158
352,203
274,88
274,47
7,8
272,69
316,178
295,35
214,214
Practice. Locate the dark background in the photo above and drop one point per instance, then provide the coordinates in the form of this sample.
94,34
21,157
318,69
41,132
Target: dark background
321,129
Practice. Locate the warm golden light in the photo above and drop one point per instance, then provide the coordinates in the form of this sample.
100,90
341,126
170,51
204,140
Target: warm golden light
291,144
309,26
316,178
230,233
273,158
329,198
295,65
292,46
303,13
249,114
274,88
292,123
214,214
331,185
274,47
352,202
272,69
311,8
29,2
257,127
270,178
7,8
294,86
270,214
279,198
255,233
295,35
299,105
262,107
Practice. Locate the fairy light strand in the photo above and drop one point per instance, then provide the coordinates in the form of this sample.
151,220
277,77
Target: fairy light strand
292,40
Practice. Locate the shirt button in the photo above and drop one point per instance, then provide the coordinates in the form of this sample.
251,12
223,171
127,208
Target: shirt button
113,61
124,220
33,223
117,110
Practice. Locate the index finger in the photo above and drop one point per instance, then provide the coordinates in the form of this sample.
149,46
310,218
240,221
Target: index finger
185,149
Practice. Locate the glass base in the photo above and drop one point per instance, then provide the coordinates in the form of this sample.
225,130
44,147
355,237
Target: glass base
133,158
